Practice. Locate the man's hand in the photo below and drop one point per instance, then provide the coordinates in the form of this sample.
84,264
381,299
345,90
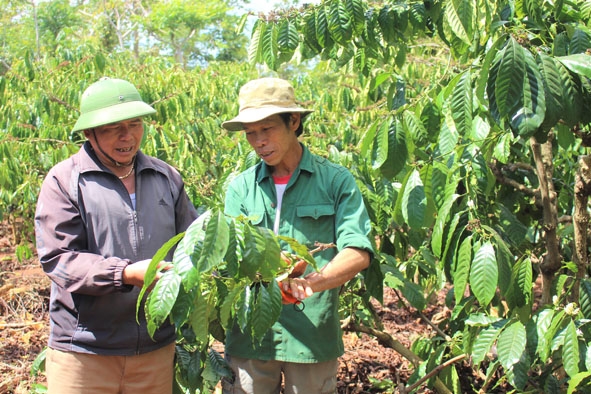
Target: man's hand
134,273
294,290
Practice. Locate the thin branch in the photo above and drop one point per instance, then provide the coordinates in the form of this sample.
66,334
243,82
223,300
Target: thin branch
435,371
388,341
502,179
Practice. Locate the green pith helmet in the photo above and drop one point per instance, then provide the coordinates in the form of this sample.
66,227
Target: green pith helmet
110,100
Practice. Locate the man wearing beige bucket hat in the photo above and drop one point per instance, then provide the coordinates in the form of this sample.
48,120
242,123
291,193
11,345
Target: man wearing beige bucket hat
101,216
305,197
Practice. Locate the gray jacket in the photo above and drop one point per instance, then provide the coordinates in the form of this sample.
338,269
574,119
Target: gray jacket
87,232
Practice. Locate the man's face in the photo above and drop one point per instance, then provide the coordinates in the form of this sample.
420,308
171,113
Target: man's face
272,139
120,140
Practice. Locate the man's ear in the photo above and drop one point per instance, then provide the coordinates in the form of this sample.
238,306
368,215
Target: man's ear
294,121
87,133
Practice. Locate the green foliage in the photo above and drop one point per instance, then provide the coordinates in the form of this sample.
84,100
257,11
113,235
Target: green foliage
219,277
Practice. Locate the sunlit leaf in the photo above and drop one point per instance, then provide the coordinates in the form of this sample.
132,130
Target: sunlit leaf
511,344
484,273
462,269
161,300
414,201
570,352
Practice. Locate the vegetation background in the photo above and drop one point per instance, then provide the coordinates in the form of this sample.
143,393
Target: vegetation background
465,123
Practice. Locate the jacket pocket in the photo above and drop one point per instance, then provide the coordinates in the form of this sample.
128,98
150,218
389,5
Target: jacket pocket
315,223
315,211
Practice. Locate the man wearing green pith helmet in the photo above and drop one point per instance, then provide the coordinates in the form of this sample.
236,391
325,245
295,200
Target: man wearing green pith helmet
101,216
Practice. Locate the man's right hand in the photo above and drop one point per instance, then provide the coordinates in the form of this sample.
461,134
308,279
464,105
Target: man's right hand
134,273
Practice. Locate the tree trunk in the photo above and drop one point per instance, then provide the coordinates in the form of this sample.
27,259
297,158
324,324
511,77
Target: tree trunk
582,190
551,262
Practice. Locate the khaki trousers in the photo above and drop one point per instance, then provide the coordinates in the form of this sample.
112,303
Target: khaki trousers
77,373
264,377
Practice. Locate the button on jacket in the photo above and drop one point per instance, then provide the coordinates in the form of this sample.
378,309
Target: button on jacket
87,232
321,203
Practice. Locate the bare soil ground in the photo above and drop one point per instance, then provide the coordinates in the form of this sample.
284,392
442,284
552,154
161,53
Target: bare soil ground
24,328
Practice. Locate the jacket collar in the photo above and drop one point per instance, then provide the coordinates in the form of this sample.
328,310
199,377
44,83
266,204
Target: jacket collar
88,160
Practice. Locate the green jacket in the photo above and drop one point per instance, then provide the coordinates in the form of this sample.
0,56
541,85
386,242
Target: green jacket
321,203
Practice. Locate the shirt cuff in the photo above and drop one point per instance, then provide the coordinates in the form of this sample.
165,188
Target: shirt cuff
118,276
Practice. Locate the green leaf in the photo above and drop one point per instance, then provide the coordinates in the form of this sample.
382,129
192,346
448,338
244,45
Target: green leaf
578,64
449,136
519,294
255,49
234,252
574,384
483,343
462,269
269,46
244,307
287,40
355,8
181,308
38,364
502,149
161,299
414,201
415,127
99,60
527,119
551,333
484,274
414,294
572,101
543,321
339,23
226,310
367,140
259,245
461,104
570,351
443,216
381,145
298,249
199,319
585,298
218,365
505,81
184,267
580,42
387,24
152,269
511,344
215,243
374,280
322,31
310,33
459,16
553,90
397,151
264,313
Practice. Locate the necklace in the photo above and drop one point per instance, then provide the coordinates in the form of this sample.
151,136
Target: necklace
130,170
128,174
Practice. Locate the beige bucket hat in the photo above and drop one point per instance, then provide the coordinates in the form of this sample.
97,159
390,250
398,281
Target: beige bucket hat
261,98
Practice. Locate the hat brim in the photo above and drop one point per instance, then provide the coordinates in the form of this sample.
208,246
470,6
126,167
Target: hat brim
251,115
113,114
